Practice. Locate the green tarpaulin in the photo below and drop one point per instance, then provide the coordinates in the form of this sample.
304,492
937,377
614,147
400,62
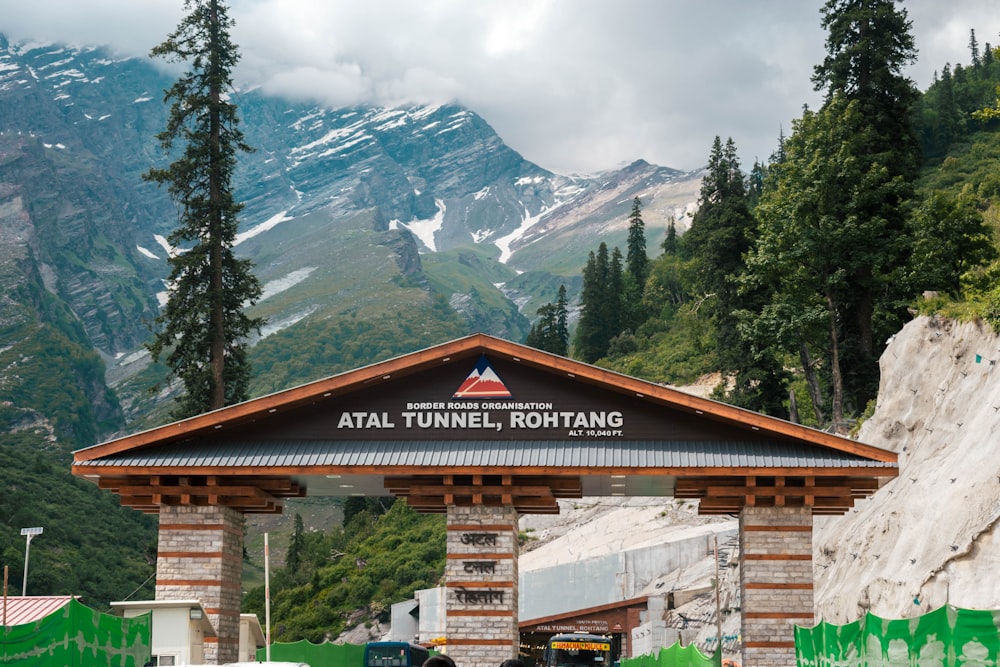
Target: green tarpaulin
672,656
945,637
77,636
318,655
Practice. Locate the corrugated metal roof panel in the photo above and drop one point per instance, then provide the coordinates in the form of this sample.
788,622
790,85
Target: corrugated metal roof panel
506,453
20,610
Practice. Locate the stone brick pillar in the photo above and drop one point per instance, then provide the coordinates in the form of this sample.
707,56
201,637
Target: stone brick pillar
481,624
776,578
200,557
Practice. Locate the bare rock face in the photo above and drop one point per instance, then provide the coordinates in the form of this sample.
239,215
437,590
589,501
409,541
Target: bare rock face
360,210
931,536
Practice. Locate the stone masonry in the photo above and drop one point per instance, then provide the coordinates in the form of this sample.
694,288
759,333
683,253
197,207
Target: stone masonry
200,557
481,622
776,582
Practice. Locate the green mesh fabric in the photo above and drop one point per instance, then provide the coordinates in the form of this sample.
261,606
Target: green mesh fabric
334,655
672,656
945,637
77,636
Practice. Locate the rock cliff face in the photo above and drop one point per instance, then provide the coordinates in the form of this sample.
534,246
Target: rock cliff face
79,129
345,210
931,536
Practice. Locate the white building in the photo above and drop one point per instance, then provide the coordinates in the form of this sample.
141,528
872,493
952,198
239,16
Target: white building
179,629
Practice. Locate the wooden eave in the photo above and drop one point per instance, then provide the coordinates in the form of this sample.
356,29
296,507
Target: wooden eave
253,494
273,405
730,494
525,626
531,491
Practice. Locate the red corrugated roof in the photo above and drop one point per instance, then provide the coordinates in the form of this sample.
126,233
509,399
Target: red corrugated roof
17,610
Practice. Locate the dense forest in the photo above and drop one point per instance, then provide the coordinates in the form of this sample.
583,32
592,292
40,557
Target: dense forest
332,581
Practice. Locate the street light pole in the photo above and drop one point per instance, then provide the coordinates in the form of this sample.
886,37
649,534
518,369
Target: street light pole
28,534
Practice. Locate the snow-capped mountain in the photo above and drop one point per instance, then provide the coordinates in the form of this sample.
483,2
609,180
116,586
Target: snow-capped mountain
418,216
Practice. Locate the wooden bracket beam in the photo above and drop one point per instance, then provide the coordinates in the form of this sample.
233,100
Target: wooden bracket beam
529,494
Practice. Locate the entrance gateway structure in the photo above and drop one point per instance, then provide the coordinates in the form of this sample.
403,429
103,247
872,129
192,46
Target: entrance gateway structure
483,430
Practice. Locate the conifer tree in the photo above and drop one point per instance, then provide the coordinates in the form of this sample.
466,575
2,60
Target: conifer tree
551,331
834,235
562,323
721,233
974,49
670,242
636,258
296,545
203,328
636,271
948,118
600,305
988,55
755,183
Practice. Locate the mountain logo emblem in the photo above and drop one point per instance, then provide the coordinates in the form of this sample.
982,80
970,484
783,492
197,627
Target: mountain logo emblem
483,382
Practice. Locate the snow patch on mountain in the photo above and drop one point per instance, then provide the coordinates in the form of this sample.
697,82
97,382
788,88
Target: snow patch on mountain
279,285
270,223
528,221
165,244
425,229
504,242
274,326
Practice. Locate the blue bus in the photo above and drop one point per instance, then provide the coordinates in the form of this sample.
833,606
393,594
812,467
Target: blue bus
395,654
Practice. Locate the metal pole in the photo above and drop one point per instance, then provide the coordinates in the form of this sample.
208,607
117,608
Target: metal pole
28,534
718,603
267,601
27,551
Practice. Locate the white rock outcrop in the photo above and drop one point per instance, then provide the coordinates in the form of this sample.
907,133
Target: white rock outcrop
930,536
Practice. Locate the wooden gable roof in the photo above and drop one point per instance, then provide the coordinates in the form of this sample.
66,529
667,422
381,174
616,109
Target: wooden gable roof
580,430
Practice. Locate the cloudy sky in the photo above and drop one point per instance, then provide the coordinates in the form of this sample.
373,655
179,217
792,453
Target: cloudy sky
575,86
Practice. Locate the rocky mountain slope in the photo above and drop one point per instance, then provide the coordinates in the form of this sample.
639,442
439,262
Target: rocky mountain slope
419,216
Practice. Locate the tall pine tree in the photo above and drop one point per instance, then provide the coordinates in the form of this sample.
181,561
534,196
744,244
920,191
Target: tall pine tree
833,239
203,328
636,259
869,44
636,270
821,252
551,331
600,305
721,233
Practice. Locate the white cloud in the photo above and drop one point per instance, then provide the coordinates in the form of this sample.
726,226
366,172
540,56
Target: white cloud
573,85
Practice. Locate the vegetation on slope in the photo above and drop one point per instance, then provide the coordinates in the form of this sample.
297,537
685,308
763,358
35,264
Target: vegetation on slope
355,573
90,547
315,349
744,292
